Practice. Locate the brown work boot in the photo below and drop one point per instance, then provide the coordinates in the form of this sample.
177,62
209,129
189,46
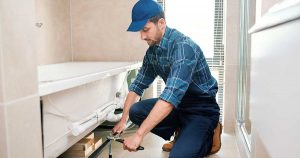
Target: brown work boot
216,144
169,145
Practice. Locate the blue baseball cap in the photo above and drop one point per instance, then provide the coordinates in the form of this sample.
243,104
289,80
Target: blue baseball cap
142,11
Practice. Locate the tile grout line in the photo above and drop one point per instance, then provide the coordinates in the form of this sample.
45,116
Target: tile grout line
19,100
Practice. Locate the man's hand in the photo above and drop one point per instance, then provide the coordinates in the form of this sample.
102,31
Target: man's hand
131,98
133,142
160,110
119,127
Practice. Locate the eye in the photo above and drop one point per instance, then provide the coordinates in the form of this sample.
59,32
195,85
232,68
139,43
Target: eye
145,29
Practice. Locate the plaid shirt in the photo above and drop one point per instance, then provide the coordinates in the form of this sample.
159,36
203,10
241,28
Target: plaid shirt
181,64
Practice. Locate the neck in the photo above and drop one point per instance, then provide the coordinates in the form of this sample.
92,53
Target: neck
161,35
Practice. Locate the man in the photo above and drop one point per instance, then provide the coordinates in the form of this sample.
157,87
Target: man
187,104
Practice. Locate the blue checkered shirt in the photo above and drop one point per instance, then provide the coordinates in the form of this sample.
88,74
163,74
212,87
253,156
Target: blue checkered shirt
181,64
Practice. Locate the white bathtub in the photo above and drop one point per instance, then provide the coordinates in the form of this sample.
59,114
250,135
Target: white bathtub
76,98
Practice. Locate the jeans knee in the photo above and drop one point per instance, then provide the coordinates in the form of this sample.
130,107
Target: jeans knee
134,114
140,110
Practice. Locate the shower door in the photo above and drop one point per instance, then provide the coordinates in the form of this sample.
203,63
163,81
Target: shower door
247,18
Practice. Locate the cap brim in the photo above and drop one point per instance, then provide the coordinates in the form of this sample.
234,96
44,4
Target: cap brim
137,25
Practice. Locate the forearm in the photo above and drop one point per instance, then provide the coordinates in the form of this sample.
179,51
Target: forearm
160,110
131,98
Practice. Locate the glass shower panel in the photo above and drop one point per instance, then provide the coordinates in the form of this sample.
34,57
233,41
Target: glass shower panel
243,110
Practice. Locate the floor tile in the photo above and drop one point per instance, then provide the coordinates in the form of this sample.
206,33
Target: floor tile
153,144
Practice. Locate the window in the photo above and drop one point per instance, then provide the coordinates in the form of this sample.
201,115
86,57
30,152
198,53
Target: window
205,26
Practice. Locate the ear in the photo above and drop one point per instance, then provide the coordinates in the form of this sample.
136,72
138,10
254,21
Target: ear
162,23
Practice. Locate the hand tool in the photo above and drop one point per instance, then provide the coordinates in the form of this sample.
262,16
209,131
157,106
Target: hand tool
116,137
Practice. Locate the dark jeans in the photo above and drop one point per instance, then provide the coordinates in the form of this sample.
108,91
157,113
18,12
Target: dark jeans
196,119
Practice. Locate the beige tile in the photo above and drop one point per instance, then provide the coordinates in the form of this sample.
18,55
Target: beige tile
229,147
230,95
266,5
1,65
1,72
24,128
54,37
232,32
18,56
153,144
99,31
1,91
19,82
3,141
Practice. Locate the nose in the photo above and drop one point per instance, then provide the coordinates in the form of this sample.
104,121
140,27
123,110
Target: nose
143,35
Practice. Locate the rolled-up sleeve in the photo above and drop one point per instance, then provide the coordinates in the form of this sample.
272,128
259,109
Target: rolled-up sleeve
145,77
180,76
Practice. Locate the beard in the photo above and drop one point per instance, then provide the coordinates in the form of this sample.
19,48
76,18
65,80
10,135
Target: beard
156,39
150,42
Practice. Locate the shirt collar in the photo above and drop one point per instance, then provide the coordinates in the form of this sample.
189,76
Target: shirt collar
164,41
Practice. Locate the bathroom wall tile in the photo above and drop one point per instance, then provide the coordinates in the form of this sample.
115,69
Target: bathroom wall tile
231,63
54,36
232,33
18,56
263,6
1,89
230,95
24,128
1,61
1,72
99,31
3,147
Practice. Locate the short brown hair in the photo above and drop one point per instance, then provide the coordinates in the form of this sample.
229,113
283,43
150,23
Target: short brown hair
155,18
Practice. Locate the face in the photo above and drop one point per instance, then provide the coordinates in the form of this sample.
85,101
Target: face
152,33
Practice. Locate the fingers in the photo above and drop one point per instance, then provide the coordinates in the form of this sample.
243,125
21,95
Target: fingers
117,130
131,144
129,148
114,130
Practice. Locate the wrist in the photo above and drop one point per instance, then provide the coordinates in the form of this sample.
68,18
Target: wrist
124,119
140,133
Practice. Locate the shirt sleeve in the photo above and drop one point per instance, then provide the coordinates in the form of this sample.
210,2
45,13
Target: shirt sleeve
180,76
144,78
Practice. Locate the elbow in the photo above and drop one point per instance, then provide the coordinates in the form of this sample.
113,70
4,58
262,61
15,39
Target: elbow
167,105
